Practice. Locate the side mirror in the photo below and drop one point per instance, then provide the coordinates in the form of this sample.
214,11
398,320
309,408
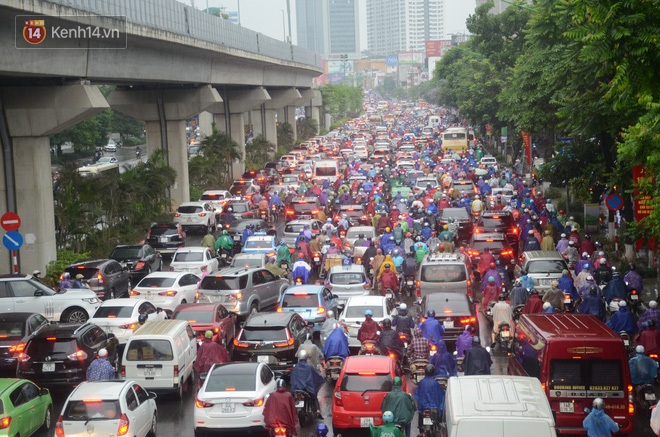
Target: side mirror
334,296
38,292
310,324
124,269
233,314
111,336
43,391
159,310
152,395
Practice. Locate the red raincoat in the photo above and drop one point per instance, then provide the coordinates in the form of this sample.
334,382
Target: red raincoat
280,409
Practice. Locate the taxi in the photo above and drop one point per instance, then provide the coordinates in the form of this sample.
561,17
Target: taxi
260,243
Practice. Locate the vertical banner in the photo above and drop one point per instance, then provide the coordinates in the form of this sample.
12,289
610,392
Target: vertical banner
643,205
505,134
527,142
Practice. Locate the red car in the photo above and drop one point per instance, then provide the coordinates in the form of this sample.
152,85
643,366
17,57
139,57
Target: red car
209,316
363,383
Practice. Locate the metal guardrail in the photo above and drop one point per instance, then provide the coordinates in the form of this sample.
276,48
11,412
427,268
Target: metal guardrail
176,17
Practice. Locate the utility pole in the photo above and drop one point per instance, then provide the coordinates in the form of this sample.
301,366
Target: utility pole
288,11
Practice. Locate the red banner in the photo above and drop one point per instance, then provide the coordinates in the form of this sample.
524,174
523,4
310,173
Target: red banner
643,205
435,48
527,142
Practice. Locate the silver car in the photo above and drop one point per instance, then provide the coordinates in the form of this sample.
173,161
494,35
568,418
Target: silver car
352,234
544,266
247,260
348,281
353,314
293,228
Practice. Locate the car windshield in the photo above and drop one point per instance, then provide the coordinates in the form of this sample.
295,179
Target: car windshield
230,380
447,306
300,300
11,330
258,334
87,272
347,278
116,312
189,256
546,266
424,182
258,243
241,225
156,282
296,228
192,209
495,246
354,234
456,213
463,186
105,159
121,253
149,350
92,409
239,207
163,230
239,261
304,207
56,348
237,190
326,171
357,311
590,374
213,282
495,224
212,197
194,316
290,179
366,380
443,273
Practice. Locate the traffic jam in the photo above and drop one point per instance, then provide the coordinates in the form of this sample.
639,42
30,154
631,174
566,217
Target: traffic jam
391,276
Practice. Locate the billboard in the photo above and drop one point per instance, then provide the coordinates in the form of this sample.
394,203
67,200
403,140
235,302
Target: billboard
411,57
335,77
391,60
340,67
437,47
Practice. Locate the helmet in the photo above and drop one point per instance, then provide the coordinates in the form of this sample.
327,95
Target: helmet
599,404
601,254
368,313
546,305
388,417
586,266
408,235
476,340
396,381
208,334
303,354
103,352
282,242
639,349
330,313
230,209
491,266
387,229
387,323
653,304
66,275
321,430
587,236
518,281
501,297
598,244
570,243
622,303
491,279
281,383
533,291
563,235
301,256
431,313
79,276
445,227
142,318
429,370
387,265
403,307
391,238
36,273
224,232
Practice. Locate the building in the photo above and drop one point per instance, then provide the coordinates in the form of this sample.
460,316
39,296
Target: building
499,6
329,27
403,25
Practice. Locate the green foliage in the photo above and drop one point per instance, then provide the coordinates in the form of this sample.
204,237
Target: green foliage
64,259
87,134
195,193
342,100
126,125
307,128
284,136
257,152
213,170
132,141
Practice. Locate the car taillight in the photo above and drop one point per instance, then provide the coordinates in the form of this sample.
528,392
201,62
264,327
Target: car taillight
59,427
202,404
78,355
321,310
177,215
167,293
468,320
171,269
418,291
5,422
279,309
286,344
289,212
129,326
123,371
100,278
255,403
176,370
139,265
23,357
17,348
514,230
338,400
123,425
135,293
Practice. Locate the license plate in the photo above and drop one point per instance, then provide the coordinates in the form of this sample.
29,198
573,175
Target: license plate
388,295
626,342
263,359
649,396
300,404
237,238
567,300
48,367
566,407
427,421
228,408
409,283
448,324
317,259
163,239
634,297
224,255
149,372
366,421
505,334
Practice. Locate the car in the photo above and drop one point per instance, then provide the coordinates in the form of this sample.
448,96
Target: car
500,222
248,260
356,215
233,397
348,281
209,316
302,208
488,161
217,198
544,266
106,277
242,209
140,259
352,315
242,290
460,216
447,272
23,293
244,188
167,289
25,408
107,160
422,183
235,230
258,176
119,407
495,243
194,260
166,238
59,354
353,234
505,195
200,215
464,186
271,338
15,330
453,310
119,316
361,376
361,152
260,243
312,302
293,228
110,147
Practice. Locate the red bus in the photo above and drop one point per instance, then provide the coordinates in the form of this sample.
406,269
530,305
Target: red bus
577,358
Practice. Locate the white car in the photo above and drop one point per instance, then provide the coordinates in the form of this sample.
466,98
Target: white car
167,289
487,161
199,215
506,194
110,147
107,160
233,396
422,183
217,198
24,294
348,281
108,408
119,316
353,314
194,260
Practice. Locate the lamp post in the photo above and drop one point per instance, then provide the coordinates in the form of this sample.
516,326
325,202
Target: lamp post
283,26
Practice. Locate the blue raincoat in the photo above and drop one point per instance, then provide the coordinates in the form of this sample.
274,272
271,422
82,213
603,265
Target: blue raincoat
300,272
429,394
527,282
336,345
642,369
594,305
432,329
444,362
599,424
622,320
567,286
305,377
463,343
615,288
426,233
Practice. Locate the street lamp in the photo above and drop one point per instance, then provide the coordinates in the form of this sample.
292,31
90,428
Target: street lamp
283,26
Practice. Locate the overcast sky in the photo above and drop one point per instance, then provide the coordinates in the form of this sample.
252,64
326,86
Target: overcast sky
265,16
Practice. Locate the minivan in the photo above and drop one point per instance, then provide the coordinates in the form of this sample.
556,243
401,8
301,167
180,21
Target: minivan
326,170
446,272
160,356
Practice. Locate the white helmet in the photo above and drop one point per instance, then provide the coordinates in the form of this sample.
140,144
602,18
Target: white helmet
547,305
653,304
330,314
303,354
639,349
403,307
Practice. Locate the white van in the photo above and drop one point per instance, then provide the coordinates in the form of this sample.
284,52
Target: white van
497,406
434,122
326,170
160,356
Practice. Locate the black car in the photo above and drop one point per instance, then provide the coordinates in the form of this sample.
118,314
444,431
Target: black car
460,216
453,310
58,355
236,229
141,259
500,222
302,208
15,330
166,238
106,277
271,338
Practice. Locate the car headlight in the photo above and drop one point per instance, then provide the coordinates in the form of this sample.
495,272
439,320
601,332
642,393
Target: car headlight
92,300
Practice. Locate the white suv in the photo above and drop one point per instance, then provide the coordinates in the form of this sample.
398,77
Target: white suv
199,215
109,408
23,293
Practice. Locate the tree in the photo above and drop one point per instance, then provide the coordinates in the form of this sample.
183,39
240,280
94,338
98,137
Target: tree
285,137
86,135
257,152
126,125
307,128
213,168
342,101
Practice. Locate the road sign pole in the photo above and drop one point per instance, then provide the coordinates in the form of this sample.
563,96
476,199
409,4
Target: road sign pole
14,261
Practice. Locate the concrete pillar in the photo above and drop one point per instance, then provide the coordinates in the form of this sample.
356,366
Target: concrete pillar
176,105
257,126
270,130
291,119
237,126
279,102
205,121
32,115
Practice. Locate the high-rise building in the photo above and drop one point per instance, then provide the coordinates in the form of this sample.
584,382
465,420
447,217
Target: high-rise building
329,27
403,25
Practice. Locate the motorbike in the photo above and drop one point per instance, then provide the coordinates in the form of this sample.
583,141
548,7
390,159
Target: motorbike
569,303
613,306
274,214
138,154
280,431
504,337
431,422
223,257
517,312
304,407
405,338
627,342
333,367
263,215
316,263
634,301
417,370
489,311
284,265
409,286
390,296
443,381
645,399
368,347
